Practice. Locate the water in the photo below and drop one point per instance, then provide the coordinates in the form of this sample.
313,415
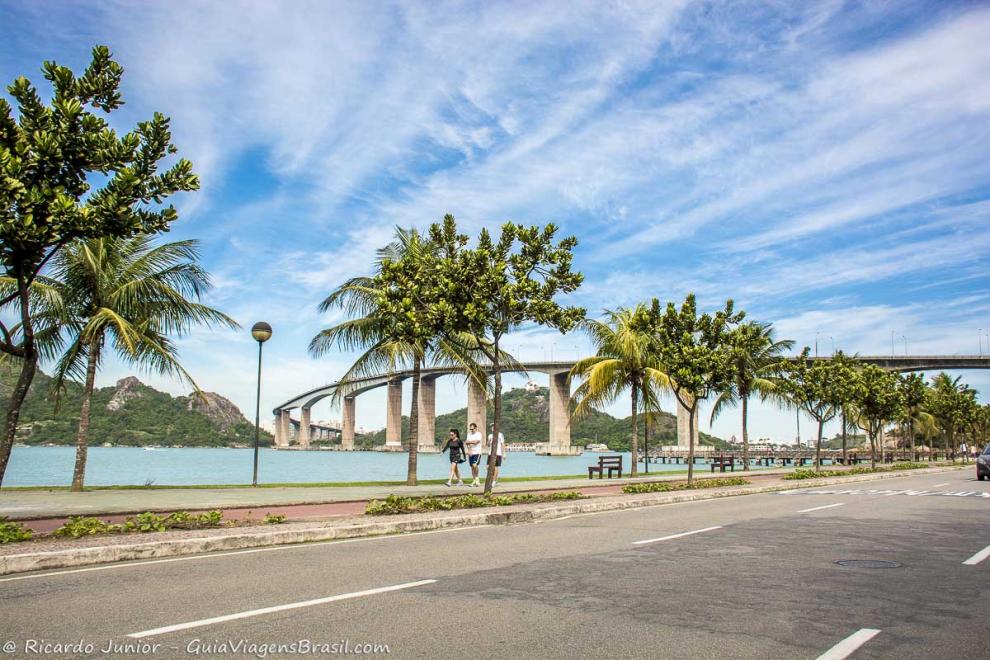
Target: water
106,466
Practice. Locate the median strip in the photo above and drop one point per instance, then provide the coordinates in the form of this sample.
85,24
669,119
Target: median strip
276,608
848,646
677,536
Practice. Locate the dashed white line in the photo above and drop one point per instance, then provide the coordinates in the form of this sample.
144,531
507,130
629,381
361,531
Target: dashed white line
276,608
978,557
848,646
677,536
946,483
819,508
249,551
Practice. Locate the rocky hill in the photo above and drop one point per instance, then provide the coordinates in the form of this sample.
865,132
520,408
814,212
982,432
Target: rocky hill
129,413
526,418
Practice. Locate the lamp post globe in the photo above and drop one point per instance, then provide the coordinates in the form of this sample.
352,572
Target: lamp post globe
261,332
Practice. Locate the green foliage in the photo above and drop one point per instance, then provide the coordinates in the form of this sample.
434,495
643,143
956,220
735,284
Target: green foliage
818,387
152,418
146,522
12,531
396,504
800,474
273,519
79,526
664,487
874,397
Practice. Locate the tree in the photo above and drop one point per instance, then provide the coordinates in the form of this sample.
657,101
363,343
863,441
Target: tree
875,400
818,387
128,291
947,402
756,370
48,158
914,393
622,361
386,344
695,352
485,292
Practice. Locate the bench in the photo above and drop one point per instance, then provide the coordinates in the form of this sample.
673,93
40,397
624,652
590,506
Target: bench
721,462
612,463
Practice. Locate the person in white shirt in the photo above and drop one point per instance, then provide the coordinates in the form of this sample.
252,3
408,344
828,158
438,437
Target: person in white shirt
499,452
474,444
964,450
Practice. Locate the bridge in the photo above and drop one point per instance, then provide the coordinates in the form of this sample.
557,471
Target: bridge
288,430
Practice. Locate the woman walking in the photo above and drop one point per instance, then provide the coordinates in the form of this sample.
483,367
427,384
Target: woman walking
456,447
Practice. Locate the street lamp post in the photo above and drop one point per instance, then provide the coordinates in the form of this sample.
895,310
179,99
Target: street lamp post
261,332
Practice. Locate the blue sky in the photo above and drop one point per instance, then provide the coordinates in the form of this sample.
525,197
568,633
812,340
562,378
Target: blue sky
824,164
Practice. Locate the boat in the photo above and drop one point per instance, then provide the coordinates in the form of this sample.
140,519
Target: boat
597,448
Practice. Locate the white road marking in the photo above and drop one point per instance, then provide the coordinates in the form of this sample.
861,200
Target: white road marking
819,508
848,646
945,483
249,551
276,608
978,557
677,536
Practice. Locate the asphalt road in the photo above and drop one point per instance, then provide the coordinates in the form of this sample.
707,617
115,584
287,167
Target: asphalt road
760,582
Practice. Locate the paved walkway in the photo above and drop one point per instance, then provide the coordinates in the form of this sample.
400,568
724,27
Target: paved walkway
47,509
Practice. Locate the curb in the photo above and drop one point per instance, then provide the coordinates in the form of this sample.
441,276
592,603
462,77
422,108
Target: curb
37,561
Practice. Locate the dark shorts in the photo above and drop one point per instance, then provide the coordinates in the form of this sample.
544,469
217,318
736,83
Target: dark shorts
498,461
474,459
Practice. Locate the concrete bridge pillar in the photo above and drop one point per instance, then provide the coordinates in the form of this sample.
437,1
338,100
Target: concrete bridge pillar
560,415
393,415
427,427
303,436
347,424
283,428
477,410
682,426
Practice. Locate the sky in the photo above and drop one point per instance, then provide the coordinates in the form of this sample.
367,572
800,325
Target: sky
823,164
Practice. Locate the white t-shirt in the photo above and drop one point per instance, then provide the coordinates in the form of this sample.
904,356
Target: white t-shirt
474,449
500,450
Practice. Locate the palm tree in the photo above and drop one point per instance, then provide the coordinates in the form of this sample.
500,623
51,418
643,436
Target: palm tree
128,291
368,331
914,391
947,401
622,361
756,364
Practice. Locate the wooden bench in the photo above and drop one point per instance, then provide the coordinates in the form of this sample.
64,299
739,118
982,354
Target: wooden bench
721,462
611,463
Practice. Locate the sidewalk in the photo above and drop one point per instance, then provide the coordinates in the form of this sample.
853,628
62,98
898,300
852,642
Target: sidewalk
53,553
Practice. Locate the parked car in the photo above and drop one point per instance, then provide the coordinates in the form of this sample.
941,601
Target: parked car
983,464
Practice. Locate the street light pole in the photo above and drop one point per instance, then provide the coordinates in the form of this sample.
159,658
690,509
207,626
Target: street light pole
261,332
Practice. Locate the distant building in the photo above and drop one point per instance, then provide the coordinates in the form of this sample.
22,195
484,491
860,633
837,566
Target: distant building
531,386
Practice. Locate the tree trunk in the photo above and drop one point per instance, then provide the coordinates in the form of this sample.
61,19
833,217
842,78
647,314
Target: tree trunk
914,456
947,439
845,459
694,406
82,437
745,432
647,436
873,447
414,423
818,447
29,366
634,444
496,419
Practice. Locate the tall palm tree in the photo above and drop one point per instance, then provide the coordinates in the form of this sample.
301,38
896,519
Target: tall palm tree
622,361
756,364
130,292
914,391
368,331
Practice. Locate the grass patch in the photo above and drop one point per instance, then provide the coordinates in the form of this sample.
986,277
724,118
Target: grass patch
663,487
394,504
811,474
12,531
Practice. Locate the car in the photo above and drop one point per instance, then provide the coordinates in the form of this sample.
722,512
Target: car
983,464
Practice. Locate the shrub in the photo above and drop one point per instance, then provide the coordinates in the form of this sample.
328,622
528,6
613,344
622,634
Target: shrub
79,526
395,504
663,487
214,518
273,519
146,522
811,474
12,531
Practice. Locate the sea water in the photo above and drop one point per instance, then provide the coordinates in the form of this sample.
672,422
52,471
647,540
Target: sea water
107,466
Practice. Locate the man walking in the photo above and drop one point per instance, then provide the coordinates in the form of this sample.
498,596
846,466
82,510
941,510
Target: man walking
499,452
474,447
964,450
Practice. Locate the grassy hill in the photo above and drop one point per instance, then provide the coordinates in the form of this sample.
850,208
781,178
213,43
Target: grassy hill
526,418
129,413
